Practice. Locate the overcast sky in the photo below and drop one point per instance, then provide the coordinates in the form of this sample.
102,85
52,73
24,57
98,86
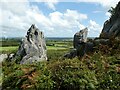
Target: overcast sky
56,18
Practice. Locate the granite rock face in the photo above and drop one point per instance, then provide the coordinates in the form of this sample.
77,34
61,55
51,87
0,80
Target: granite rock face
111,27
79,43
80,39
71,54
33,47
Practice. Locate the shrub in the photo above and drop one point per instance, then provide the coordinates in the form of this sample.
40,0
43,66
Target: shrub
97,70
72,75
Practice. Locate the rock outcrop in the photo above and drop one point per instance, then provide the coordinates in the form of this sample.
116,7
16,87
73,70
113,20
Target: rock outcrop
33,47
80,39
110,32
81,46
111,27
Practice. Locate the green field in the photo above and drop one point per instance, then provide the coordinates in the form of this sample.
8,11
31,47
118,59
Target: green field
14,48
9,48
11,45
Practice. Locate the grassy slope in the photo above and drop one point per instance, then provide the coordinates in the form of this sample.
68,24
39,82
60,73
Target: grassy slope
100,70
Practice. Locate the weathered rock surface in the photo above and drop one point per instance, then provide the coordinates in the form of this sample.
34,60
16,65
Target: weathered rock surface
80,37
89,47
33,47
79,43
111,27
71,54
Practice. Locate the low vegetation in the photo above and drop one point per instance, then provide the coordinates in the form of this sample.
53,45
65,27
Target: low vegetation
99,70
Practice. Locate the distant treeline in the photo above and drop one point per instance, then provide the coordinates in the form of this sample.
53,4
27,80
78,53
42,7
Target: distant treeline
50,41
16,41
9,42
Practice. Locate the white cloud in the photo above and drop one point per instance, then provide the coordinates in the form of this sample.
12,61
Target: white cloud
16,21
94,28
68,22
93,25
51,4
104,3
14,17
108,14
73,14
15,8
69,19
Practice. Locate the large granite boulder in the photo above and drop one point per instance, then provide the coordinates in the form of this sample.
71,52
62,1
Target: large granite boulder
80,37
111,27
33,47
79,42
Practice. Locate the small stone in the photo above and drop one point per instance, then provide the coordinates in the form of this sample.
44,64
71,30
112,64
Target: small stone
3,57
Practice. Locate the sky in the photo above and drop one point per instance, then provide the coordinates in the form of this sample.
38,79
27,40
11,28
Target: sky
55,18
